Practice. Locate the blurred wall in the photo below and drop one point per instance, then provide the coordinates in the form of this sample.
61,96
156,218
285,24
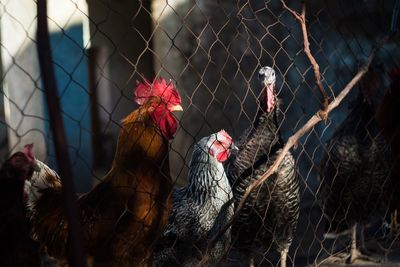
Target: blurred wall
23,100
120,33
25,110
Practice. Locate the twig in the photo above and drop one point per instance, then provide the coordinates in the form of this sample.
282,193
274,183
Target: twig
395,17
302,20
76,254
291,142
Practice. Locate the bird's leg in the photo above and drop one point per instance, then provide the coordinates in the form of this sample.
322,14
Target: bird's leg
251,261
353,249
284,257
355,254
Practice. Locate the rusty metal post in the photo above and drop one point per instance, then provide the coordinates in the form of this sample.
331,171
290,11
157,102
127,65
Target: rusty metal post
76,254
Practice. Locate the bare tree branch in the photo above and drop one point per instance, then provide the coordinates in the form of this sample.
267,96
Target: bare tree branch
293,140
302,20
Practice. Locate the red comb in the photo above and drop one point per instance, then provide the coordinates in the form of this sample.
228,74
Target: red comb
224,135
159,88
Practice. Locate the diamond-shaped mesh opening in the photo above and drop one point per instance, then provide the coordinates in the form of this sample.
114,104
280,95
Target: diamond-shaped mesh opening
153,195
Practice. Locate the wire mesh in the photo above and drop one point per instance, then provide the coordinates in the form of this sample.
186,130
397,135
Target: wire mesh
212,51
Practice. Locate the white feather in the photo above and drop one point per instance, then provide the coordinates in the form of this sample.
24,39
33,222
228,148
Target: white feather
43,177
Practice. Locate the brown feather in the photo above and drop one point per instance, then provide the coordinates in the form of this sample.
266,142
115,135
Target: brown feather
123,215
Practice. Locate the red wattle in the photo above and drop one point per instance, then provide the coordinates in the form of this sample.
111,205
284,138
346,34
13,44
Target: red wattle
222,156
165,121
270,98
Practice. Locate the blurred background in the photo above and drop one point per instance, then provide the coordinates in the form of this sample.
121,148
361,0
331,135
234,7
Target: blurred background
211,50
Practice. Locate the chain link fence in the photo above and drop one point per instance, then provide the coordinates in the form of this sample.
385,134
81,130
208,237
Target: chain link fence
212,51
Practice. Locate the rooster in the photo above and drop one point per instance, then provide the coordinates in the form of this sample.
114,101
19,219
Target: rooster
18,248
126,212
389,123
270,214
354,169
201,208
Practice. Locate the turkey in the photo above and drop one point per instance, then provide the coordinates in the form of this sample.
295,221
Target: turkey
200,209
270,214
390,126
354,169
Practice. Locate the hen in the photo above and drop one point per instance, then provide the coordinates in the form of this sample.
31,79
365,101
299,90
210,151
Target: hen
126,212
355,168
270,214
18,249
201,208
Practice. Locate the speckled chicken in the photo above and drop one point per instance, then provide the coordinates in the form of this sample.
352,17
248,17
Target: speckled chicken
201,208
269,216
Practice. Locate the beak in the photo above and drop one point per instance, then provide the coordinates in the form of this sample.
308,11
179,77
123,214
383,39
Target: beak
176,108
269,82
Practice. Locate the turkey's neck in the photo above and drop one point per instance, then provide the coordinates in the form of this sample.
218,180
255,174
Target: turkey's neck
263,139
271,122
207,178
264,135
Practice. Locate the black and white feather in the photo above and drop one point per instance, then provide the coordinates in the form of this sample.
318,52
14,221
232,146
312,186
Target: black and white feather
199,211
42,179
